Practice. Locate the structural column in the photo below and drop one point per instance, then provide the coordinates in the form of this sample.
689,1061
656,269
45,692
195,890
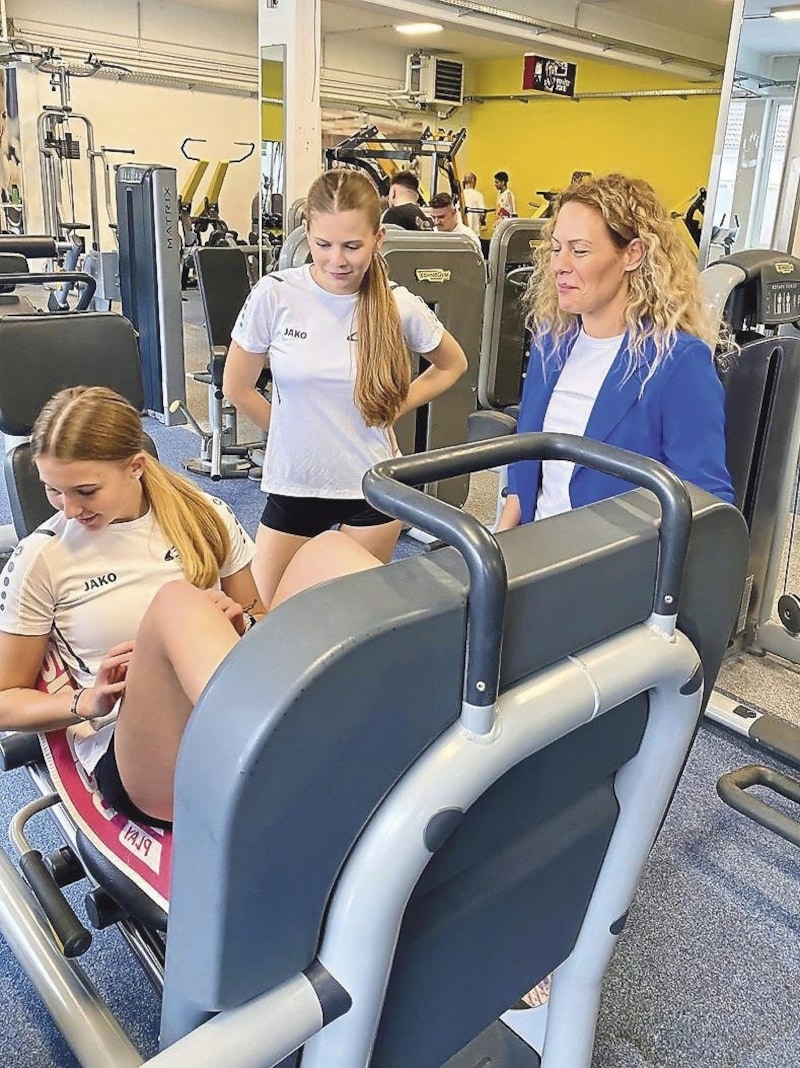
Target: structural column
294,27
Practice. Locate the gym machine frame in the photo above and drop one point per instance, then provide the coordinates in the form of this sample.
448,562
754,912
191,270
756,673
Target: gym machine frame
368,144
335,1005
56,144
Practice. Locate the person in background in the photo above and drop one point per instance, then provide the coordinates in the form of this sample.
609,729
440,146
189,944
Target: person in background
621,352
506,201
404,209
446,219
474,204
339,337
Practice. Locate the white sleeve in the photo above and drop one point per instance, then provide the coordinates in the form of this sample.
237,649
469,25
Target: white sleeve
242,548
252,330
422,330
26,595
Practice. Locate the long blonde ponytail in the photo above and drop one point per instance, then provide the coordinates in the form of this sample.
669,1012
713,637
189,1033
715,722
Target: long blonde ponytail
383,373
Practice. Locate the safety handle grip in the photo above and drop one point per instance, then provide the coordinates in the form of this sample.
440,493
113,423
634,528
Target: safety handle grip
195,140
676,509
249,145
73,936
384,487
732,789
389,486
89,284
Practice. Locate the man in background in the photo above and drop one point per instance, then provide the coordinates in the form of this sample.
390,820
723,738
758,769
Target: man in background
506,202
446,219
474,204
404,209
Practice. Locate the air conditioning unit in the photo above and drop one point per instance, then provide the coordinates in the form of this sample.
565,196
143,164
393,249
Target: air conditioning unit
434,80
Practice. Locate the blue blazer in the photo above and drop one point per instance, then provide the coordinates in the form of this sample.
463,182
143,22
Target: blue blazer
679,419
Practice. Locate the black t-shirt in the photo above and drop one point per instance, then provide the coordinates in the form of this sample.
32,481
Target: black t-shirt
409,216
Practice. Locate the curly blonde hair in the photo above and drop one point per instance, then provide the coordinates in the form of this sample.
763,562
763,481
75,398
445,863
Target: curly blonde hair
95,423
664,291
383,373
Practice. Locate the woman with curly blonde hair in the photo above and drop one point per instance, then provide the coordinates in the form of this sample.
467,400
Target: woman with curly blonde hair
621,349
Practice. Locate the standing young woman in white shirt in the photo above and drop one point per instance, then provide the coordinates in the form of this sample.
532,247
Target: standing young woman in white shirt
338,337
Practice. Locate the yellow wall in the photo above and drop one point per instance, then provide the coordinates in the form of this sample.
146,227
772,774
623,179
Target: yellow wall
271,114
666,140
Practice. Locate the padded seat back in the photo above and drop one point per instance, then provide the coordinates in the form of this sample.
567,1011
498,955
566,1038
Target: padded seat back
524,861
224,284
760,378
12,263
326,725
41,354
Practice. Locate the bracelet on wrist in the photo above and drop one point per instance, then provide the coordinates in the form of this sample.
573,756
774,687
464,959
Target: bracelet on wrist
73,708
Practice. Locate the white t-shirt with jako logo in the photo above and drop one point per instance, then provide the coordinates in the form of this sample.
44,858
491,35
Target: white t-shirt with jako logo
318,443
90,590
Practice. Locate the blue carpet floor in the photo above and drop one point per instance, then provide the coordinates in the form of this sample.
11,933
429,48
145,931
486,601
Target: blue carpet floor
706,974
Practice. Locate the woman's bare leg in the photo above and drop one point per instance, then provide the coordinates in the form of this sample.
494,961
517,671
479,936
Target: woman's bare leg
379,540
274,552
328,556
182,639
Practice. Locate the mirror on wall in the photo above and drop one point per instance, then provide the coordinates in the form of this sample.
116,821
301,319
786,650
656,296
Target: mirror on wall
751,186
271,210
12,217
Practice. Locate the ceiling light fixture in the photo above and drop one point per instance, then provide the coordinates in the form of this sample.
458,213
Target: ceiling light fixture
785,12
415,28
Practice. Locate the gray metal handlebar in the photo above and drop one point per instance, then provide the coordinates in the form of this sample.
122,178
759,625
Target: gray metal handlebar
519,273
390,487
88,283
732,789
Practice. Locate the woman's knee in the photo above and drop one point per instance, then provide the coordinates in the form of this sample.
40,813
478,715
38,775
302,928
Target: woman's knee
329,555
171,600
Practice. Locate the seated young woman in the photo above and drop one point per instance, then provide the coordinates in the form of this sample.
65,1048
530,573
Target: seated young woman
143,583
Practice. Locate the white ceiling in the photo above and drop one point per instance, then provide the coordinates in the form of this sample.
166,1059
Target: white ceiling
376,26
706,20
237,8
702,18
770,37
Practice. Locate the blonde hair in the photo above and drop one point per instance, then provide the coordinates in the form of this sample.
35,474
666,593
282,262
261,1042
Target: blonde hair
383,371
664,290
95,423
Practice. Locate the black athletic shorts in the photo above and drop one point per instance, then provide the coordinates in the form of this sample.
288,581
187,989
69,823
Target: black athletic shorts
106,775
309,516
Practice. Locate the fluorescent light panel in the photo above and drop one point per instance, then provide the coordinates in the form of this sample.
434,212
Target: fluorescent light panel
415,28
785,12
